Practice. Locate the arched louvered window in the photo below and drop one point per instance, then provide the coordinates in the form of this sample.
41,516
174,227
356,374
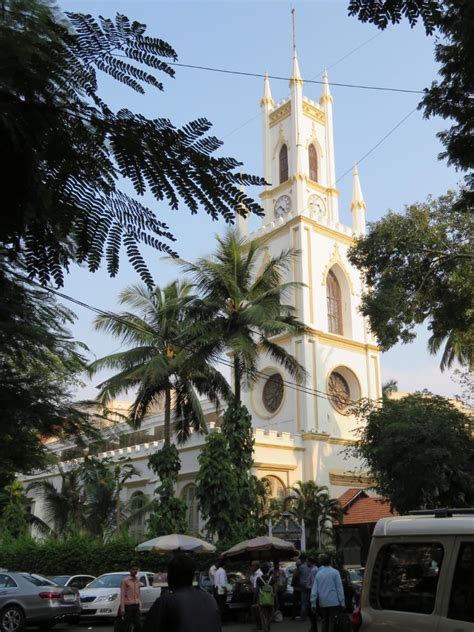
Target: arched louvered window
313,163
192,510
334,301
283,164
138,526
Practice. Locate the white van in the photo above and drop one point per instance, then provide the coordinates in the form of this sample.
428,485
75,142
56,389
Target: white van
419,574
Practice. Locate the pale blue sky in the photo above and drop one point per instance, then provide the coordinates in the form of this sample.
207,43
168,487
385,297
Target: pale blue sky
256,37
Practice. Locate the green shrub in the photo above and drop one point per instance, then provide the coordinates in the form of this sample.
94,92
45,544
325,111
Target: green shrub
75,555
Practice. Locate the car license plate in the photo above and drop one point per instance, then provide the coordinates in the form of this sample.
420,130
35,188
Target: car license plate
69,597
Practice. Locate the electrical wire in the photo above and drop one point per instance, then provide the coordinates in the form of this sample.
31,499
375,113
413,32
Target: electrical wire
291,385
278,78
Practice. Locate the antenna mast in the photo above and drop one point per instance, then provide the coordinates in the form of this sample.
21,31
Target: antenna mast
294,29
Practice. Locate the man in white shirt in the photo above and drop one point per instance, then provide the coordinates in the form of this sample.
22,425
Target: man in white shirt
212,573
220,586
255,573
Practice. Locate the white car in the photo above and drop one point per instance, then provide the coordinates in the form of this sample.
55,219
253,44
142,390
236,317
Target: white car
101,598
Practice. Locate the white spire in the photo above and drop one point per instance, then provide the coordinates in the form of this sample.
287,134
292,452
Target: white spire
267,94
326,95
295,74
357,197
357,204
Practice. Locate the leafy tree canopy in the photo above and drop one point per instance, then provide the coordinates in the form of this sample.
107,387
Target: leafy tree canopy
418,451
66,151
452,21
39,368
243,294
168,513
419,267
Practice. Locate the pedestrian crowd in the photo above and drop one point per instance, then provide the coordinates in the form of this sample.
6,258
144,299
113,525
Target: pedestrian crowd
318,596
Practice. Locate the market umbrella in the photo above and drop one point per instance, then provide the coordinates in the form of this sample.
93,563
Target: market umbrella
262,548
176,542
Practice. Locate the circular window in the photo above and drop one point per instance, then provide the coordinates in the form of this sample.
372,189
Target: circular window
272,393
339,391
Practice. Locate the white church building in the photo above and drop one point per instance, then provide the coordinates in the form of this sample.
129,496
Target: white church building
301,431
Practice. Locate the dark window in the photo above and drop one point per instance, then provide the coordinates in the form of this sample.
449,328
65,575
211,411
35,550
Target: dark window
405,577
151,578
461,604
313,163
143,581
334,301
7,582
283,164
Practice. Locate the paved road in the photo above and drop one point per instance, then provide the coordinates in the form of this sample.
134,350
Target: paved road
285,626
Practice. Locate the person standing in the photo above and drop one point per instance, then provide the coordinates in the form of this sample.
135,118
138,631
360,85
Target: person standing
130,600
265,585
220,586
212,573
304,577
281,580
327,591
295,583
184,608
313,569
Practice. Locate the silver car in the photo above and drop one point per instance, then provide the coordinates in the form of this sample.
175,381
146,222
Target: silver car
27,599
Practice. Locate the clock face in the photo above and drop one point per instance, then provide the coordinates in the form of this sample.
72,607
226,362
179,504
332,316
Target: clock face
272,393
339,392
282,206
316,204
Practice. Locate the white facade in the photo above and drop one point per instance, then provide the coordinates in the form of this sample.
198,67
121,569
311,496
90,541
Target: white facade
304,432
301,212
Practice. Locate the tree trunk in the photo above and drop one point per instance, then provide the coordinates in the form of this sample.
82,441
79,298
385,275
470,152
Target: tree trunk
117,501
237,379
167,428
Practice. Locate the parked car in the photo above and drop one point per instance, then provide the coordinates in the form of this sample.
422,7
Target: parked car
27,599
419,574
101,598
352,577
239,591
76,582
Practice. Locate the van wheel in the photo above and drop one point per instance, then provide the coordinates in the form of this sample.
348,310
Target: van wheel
12,619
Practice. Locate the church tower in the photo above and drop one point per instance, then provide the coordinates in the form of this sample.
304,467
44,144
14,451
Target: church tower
301,212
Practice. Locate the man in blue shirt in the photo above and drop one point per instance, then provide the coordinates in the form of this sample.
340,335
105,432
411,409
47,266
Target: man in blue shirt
327,591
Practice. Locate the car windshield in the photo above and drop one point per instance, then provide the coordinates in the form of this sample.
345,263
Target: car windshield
61,579
38,580
107,581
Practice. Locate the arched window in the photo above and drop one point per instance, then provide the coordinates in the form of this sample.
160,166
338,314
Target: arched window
334,301
276,487
189,496
313,163
137,502
283,164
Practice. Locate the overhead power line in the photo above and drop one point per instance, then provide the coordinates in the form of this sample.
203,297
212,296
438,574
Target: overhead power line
97,310
278,78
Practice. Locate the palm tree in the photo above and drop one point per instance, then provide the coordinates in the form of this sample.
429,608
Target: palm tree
168,358
312,503
88,501
64,508
246,305
103,481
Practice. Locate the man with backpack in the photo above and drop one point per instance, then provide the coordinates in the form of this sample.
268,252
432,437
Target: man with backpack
265,586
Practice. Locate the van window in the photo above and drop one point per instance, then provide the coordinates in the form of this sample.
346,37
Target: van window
405,577
461,603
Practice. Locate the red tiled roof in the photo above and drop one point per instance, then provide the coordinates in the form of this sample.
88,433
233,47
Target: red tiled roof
368,510
349,495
